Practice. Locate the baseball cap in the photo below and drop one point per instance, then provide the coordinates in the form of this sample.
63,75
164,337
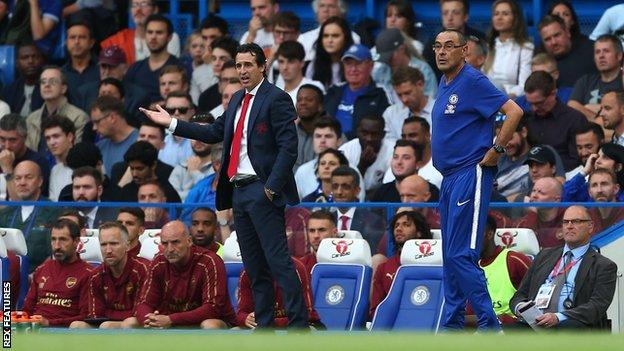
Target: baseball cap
358,52
541,155
112,55
387,41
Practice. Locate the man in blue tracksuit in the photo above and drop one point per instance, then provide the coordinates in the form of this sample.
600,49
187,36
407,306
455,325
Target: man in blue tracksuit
463,129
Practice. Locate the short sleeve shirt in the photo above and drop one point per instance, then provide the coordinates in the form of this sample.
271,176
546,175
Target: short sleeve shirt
463,120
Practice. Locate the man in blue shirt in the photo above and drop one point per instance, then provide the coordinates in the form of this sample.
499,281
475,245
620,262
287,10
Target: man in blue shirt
462,131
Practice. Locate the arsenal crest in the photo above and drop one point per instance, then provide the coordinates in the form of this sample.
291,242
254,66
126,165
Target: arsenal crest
71,282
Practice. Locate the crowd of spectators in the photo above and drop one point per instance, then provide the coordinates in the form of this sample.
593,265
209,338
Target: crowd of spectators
70,129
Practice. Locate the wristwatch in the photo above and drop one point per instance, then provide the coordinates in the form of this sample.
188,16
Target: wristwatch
499,149
222,222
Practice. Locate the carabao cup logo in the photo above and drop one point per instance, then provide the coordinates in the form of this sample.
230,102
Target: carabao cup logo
425,248
342,248
507,238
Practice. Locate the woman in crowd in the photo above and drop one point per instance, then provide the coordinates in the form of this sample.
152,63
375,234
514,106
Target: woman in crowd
400,15
564,9
333,40
508,63
328,160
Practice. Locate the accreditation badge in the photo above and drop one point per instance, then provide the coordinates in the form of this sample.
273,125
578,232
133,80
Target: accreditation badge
544,295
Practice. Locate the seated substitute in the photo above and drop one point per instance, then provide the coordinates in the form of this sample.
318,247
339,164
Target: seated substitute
573,285
406,225
321,225
58,291
186,286
245,316
115,285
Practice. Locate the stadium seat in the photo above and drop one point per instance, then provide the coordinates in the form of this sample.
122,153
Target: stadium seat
436,233
233,266
4,263
89,250
7,64
416,297
14,241
92,232
150,247
341,282
518,239
349,234
149,234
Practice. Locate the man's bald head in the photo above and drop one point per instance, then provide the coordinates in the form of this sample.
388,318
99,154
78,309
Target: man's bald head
176,242
27,181
414,188
547,189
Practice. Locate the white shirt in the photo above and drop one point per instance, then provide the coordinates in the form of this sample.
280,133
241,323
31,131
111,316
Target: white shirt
60,176
293,93
396,114
336,79
427,172
244,163
349,214
26,212
5,109
217,111
203,78
90,216
142,52
307,181
375,172
263,38
308,39
511,66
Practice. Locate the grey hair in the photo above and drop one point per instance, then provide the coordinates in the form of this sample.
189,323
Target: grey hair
14,121
342,4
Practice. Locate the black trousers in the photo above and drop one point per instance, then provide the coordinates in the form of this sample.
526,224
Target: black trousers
260,229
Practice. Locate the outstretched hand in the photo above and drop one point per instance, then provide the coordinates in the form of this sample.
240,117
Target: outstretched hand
161,116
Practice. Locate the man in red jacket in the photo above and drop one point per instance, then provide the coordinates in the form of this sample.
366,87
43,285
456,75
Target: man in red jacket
245,316
185,286
321,225
115,285
405,225
58,291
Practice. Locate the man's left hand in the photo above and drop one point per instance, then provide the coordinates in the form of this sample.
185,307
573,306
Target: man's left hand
547,320
155,320
490,159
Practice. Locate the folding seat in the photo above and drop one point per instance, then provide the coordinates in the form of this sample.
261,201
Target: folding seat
14,241
233,266
518,239
149,234
341,282
150,247
416,297
92,232
349,234
89,250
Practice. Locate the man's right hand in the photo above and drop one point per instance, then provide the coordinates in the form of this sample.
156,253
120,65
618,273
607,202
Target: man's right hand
589,165
6,161
255,23
161,116
250,321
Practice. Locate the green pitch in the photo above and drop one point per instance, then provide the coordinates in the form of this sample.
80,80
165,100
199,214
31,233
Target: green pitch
329,341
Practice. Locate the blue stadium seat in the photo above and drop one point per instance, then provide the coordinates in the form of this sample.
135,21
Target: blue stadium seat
14,241
7,64
4,263
416,297
233,267
341,283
